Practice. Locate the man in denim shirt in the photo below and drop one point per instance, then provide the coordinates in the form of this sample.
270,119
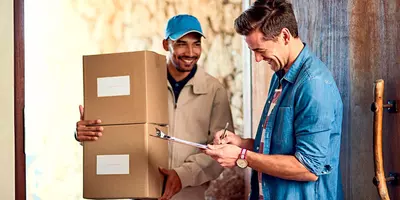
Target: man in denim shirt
295,154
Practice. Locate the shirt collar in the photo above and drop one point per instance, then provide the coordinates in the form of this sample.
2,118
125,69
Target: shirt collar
172,81
294,70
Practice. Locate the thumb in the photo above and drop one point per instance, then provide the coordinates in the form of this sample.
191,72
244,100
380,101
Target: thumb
163,171
210,146
215,146
213,150
81,112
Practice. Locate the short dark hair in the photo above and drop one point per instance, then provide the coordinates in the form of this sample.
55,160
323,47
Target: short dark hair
268,16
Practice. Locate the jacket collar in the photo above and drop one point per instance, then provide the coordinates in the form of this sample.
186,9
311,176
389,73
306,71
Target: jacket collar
198,82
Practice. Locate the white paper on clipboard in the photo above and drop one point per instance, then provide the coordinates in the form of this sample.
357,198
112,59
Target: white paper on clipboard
162,135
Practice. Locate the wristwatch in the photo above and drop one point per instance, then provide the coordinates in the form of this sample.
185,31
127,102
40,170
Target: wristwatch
241,162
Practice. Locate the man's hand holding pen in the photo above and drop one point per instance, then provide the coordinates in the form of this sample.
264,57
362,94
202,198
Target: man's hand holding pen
226,137
226,147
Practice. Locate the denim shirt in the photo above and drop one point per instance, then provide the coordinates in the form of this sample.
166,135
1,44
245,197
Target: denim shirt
306,123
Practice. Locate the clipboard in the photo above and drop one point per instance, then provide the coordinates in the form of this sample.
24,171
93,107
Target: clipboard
162,135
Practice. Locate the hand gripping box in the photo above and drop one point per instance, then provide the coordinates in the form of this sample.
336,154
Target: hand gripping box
126,88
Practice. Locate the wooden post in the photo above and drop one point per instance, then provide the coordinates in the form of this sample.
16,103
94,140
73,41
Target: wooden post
378,156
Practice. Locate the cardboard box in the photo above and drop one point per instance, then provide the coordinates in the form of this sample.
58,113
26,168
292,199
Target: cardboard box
124,163
126,88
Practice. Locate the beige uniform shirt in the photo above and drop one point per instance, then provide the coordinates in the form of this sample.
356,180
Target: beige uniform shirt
201,110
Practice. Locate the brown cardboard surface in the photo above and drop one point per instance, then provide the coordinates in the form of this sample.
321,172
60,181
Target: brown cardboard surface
145,99
146,154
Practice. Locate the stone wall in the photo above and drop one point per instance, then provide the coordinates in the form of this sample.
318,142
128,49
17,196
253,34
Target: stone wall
118,26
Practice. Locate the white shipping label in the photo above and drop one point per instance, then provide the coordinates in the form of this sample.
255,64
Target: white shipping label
112,164
113,86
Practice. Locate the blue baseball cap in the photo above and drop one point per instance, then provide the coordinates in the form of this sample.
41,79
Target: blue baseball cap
180,25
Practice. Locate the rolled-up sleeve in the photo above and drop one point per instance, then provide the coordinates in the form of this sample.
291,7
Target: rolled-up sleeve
314,116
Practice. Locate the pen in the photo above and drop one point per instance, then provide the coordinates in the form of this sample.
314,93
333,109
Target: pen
224,134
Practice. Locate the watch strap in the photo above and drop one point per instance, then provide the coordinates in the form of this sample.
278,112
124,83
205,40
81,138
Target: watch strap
243,153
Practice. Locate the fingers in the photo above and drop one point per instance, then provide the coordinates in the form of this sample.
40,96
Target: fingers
223,141
168,185
88,122
212,151
173,184
168,192
89,133
87,138
81,112
83,130
213,147
218,134
226,154
217,137
163,171
89,128
215,157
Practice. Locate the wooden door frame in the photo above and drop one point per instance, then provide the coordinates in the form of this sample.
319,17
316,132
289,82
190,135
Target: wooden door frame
19,100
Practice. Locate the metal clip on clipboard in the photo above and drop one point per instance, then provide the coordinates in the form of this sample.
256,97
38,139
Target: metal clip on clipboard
162,135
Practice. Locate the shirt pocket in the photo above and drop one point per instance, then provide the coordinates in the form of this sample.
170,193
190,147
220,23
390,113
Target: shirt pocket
283,140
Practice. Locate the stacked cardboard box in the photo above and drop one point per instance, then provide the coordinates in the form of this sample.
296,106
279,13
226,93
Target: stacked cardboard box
128,92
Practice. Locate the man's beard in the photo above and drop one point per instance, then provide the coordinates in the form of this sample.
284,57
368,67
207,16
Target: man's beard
181,69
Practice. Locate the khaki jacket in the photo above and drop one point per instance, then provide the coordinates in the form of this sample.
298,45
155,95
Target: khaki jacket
201,110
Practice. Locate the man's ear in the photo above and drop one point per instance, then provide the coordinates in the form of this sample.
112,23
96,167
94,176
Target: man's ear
165,45
287,36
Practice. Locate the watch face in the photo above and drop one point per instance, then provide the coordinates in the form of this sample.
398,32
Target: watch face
242,163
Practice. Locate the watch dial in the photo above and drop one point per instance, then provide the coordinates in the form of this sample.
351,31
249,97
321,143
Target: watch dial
241,163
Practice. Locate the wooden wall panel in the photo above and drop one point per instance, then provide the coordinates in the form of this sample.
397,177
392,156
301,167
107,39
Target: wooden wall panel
365,56
262,75
323,25
359,42
374,43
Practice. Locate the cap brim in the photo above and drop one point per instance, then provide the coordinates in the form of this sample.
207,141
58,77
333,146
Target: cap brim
177,36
